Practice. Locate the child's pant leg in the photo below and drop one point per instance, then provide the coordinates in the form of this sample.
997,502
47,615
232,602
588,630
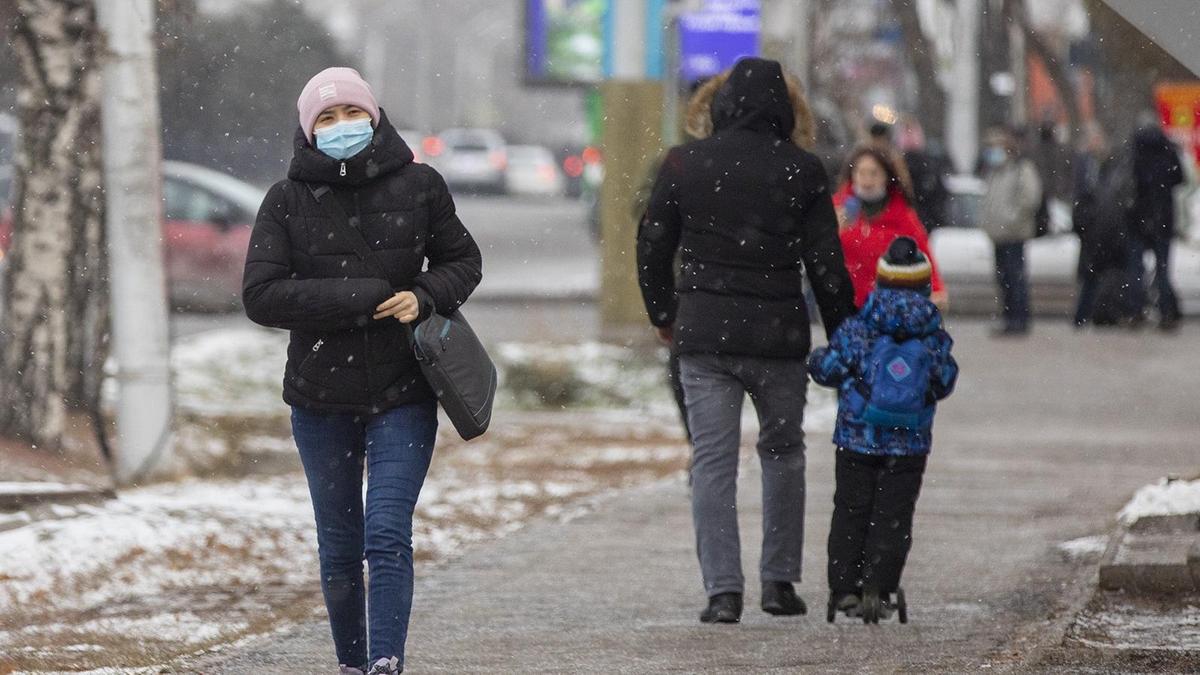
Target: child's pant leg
853,497
890,535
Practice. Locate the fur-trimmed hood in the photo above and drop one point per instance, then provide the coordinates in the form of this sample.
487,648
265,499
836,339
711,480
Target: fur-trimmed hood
699,122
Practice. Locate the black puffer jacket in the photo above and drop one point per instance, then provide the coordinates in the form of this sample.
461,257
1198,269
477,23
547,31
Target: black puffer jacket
302,273
749,212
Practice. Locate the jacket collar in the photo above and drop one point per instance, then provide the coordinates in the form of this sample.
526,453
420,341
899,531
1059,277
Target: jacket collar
386,153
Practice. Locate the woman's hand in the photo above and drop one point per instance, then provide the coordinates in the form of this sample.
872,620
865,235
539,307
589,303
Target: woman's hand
843,220
665,334
403,305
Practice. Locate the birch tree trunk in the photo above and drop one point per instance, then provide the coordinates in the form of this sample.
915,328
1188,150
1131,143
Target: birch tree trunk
51,333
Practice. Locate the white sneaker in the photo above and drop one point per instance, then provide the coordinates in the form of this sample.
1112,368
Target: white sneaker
386,667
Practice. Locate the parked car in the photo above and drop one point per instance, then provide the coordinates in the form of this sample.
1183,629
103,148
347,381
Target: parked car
965,259
207,220
207,217
473,159
533,171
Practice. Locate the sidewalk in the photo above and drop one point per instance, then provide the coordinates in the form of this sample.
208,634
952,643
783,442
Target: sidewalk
1043,443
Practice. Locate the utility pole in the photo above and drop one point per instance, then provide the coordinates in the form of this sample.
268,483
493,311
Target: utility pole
962,137
133,188
631,141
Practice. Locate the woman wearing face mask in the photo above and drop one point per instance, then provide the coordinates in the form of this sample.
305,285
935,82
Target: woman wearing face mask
1008,214
357,395
873,209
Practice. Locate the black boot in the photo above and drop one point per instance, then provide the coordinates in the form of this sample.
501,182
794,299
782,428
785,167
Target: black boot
779,598
723,608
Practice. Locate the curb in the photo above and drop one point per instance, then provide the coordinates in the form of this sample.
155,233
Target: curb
1154,555
15,507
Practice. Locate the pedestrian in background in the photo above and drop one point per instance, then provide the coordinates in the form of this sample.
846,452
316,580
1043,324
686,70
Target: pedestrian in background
890,365
1157,171
928,168
1008,214
873,209
357,394
749,211
1103,205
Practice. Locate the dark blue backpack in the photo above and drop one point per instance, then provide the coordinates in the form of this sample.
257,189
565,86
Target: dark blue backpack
899,385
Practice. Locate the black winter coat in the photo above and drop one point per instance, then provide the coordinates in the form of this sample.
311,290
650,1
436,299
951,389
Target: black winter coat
1156,172
302,273
749,212
1104,196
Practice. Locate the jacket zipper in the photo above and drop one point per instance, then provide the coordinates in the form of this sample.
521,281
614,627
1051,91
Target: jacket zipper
308,357
342,172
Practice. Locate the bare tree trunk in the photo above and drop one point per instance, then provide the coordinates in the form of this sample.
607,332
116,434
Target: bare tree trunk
1055,65
931,99
51,352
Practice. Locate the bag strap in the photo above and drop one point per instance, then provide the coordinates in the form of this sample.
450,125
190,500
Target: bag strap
362,250
324,196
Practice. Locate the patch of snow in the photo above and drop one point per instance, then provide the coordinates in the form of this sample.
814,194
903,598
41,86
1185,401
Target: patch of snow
234,371
1125,626
1164,498
1084,547
39,487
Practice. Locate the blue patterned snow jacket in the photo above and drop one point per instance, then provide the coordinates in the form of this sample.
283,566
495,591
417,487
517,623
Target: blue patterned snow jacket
845,364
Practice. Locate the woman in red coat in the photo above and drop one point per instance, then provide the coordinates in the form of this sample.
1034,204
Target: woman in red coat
873,210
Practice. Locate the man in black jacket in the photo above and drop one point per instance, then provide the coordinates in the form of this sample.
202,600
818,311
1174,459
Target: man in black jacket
1157,171
749,213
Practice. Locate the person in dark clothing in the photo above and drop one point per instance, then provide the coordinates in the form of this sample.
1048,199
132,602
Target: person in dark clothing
1053,160
357,395
928,169
1103,199
890,365
1156,172
749,211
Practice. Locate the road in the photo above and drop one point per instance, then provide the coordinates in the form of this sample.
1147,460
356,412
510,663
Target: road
1043,442
531,246
540,266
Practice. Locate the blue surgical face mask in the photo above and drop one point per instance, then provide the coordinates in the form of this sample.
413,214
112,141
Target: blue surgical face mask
344,139
995,156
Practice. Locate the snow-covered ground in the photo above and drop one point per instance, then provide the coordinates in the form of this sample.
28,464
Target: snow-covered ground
1084,549
211,560
1113,622
1164,498
177,567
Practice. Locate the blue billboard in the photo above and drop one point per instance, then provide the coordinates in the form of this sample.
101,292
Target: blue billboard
714,37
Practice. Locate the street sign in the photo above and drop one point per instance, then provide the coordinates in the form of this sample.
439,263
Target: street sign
713,37
1179,111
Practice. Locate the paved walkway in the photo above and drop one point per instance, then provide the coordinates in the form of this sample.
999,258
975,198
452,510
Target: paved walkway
1044,441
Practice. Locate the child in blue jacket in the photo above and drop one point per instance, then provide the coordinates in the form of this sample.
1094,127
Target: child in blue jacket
890,364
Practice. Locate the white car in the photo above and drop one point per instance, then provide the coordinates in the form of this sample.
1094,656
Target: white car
473,159
533,171
965,259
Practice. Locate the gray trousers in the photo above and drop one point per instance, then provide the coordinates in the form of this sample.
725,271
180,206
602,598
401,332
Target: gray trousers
714,388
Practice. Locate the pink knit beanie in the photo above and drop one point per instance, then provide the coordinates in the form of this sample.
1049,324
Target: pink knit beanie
330,87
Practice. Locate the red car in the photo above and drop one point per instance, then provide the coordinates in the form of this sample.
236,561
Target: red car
206,227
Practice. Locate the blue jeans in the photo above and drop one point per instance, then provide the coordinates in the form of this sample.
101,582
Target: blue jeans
396,446
1014,286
